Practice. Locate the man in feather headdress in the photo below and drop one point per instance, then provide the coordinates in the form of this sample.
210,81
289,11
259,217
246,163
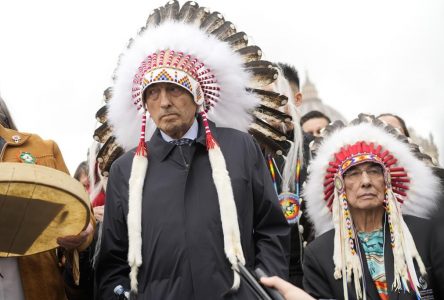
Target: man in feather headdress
187,207
370,197
290,169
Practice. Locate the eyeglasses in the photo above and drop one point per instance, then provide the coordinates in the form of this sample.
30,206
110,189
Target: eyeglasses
356,172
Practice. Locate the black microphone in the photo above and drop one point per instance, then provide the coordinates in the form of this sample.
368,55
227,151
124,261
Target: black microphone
121,294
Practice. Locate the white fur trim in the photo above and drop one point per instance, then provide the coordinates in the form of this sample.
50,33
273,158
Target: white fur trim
233,108
136,181
228,212
424,186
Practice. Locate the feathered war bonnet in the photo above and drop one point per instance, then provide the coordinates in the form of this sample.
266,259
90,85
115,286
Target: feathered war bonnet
198,50
411,188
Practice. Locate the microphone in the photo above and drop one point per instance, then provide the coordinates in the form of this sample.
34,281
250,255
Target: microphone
121,294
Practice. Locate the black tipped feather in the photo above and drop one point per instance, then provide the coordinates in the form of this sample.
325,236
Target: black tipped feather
153,19
101,114
212,22
250,53
227,29
237,41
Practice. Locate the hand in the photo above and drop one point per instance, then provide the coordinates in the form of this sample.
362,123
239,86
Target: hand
71,242
98,212
286,289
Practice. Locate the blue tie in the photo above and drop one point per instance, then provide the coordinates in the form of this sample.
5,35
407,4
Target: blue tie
181,142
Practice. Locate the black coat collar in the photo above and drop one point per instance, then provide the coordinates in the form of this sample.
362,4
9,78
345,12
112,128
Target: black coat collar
158,147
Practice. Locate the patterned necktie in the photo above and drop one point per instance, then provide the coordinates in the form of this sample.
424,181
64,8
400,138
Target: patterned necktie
181,142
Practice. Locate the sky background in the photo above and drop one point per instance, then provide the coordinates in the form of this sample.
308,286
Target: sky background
57,57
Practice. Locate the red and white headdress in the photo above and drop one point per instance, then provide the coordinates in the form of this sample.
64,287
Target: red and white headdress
198,50
411,188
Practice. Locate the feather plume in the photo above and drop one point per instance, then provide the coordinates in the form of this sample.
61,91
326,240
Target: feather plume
225,30
250,53
270,119
201,14
277,114
277,134
153,19
107,94
101,114
263,76
102,133
187,12
212,22
109,152
171,10
265,138
258,64
237,41
270,99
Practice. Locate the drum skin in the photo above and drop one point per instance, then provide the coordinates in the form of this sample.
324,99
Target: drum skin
37,205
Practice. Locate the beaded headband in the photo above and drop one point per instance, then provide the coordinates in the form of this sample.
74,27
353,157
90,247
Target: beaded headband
178,68
358,153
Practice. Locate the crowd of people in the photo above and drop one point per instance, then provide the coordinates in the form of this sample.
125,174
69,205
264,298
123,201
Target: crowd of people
220,174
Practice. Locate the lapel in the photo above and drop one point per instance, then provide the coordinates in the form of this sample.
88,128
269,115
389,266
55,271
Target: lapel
11,137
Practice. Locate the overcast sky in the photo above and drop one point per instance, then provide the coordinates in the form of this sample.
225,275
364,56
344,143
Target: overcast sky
57,57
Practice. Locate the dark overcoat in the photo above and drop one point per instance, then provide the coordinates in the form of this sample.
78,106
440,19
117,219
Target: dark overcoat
183,249
318,266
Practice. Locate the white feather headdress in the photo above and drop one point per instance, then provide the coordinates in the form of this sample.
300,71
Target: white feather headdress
411,189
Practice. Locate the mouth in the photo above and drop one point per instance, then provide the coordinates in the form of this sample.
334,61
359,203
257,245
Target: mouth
168,115
367,195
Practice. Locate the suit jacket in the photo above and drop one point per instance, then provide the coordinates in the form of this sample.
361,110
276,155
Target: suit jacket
318,266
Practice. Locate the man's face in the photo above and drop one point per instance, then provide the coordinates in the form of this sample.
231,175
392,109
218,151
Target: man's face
171,107
365,186
314,126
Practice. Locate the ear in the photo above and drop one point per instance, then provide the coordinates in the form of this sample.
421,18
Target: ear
298,99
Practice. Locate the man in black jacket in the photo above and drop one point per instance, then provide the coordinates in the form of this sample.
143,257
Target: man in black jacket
186,208
371,198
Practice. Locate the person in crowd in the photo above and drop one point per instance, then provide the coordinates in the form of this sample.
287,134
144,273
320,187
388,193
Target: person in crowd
313,122
35,276
291,170
370,198
184,209
291,75
395,121
398,123
96,191
81,174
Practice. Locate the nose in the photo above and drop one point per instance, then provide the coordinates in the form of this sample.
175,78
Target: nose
365,179
164,99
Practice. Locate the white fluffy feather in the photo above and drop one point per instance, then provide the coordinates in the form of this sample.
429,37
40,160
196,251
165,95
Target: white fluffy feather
423,188
233,109
228,212
136,182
